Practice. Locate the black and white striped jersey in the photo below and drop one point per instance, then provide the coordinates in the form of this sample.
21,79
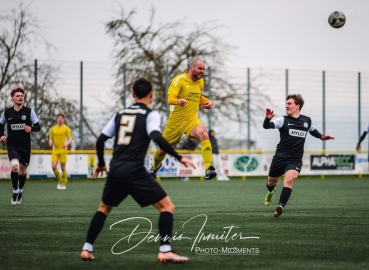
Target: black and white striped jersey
16,121
131,128
293,133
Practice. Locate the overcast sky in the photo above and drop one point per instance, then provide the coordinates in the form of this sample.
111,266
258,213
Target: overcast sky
266,33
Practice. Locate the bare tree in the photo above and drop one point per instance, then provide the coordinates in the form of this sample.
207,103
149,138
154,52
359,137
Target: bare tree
21,31
148,50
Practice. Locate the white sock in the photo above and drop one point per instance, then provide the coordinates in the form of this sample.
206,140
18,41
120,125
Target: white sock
15,191
88,247
20,190
165,248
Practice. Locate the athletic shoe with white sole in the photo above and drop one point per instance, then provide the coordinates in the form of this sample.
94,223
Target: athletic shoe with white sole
13,200
87,256
19,199
171,256
210,173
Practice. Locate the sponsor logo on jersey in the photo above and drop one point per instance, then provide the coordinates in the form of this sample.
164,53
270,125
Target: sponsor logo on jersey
24,117
133,111
193,96
17,126
297,133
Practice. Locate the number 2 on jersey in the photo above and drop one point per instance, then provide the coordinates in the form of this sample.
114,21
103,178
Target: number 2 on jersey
127,124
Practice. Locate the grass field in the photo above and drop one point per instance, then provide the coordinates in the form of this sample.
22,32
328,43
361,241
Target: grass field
325,226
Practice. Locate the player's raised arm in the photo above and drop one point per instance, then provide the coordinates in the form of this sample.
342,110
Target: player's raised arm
268,116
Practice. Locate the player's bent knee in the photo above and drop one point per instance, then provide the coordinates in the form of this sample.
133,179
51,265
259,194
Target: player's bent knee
288,182
15,165
169,208
105,209
204,136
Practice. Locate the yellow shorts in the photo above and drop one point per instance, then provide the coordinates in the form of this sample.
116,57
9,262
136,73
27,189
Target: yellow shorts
173,132
59,157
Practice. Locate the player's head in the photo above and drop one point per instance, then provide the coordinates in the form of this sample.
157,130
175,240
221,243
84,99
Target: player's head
196,70
60,119
17,95
294,103
142,88
211,133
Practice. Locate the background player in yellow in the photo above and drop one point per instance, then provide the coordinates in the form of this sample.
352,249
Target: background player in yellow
58,141
185,97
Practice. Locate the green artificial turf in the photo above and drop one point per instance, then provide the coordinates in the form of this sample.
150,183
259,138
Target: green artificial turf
325,225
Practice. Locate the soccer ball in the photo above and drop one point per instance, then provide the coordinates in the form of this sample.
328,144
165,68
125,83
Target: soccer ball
337,19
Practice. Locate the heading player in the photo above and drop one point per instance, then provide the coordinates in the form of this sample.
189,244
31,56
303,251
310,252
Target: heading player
185,97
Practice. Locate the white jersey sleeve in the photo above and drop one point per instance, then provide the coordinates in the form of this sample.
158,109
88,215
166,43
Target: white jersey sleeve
153,122
109,129
278,122
34,118
367,128
3,119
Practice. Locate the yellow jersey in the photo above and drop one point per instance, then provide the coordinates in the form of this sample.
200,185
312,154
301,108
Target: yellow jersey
59,136
183,87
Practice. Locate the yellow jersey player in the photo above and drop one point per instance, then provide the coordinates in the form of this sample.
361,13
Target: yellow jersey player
58,141
185,97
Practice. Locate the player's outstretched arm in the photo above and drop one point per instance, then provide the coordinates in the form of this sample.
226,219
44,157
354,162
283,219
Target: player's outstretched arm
166,147
326,137
187,162
362,137
268,116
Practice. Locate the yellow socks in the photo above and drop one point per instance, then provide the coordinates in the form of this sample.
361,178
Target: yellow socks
57,175
157,160
207,153
64,178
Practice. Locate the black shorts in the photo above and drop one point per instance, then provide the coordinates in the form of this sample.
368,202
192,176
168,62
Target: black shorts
139,184
23,155
281,165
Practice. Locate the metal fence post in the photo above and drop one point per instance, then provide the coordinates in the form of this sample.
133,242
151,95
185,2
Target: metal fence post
286,82
209,93
124,85
248,110
81,109
166,88
359,103
35,144
323,108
